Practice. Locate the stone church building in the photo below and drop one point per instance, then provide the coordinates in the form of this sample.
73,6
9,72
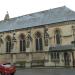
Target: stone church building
45,39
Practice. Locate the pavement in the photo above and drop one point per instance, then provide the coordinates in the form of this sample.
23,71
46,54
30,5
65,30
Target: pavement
46,71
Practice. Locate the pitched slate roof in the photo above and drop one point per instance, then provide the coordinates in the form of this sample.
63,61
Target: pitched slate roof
55,15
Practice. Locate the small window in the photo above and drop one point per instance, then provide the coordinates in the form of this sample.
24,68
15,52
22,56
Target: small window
22,43
58,36
8,44
38,42
54,56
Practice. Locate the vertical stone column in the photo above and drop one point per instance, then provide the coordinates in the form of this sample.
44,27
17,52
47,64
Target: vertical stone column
46,59
73,57
13,55
28,60
14,58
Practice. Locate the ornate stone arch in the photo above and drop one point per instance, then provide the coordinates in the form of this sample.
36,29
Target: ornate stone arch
8,37
22,42
38,34
22,36
57,35
8,43
59,29
38,41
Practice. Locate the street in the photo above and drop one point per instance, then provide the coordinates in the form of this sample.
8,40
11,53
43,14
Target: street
64,71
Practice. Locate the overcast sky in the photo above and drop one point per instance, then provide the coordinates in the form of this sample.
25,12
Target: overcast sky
22,7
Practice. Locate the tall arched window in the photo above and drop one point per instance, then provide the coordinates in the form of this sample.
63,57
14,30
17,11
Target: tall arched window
38,41
58,36
22,43
8,44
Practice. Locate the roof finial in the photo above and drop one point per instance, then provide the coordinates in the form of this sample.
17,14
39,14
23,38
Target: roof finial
7,12
6,16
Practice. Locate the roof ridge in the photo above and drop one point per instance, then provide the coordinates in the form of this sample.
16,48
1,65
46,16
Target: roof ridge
59,14
31,14
35,13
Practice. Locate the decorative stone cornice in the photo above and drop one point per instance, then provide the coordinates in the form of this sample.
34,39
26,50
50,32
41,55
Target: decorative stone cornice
62,23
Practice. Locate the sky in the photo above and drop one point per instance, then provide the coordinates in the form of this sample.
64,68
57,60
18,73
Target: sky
17,8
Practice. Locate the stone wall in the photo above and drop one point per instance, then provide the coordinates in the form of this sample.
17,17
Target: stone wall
66,38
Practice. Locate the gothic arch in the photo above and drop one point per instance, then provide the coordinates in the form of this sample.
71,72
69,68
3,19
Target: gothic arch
38,41
58,30
22,36
57,34
38,31
8,43
38,34
8,37
22,42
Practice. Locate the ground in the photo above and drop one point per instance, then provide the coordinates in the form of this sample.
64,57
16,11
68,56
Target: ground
64,71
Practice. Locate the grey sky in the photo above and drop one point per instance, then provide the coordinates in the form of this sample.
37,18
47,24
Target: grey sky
23,7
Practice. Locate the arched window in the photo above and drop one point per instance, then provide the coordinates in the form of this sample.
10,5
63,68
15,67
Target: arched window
8,44
38,41
55,56
22,43
58,36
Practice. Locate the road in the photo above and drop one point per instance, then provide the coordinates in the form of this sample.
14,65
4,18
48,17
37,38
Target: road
63,71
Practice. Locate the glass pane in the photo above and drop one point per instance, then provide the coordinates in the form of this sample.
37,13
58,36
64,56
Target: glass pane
6,46
40,44
57,55
9,46
58,38
37,44
51,55
20,45
24,45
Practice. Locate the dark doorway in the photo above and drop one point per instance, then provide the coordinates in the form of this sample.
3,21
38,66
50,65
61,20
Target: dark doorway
66,59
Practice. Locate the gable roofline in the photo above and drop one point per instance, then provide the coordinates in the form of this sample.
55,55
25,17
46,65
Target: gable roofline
50,16
32,14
